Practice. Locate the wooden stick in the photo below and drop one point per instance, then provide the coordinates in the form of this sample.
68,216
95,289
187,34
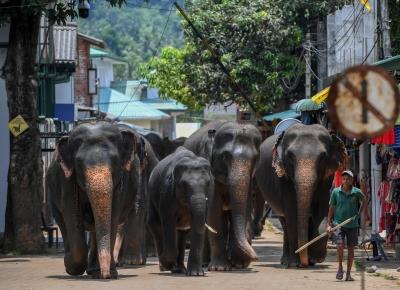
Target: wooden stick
324,234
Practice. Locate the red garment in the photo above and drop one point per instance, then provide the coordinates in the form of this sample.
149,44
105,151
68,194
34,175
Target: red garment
387,138
385,206
337,180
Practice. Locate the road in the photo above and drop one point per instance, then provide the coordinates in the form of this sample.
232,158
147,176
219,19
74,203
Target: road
47,272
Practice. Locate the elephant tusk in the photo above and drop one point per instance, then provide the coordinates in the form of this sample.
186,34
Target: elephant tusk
210,229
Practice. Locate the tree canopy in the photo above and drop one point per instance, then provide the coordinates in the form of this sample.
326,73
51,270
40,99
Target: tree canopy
259,42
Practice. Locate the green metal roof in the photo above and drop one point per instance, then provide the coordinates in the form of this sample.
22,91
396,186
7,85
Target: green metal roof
98,52
282,115
119,105
390,64
165,105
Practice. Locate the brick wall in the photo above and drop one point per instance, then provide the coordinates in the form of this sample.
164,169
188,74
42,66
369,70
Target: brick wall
81,75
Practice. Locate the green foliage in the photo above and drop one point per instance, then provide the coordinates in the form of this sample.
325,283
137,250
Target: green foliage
133,32
258,41
394,15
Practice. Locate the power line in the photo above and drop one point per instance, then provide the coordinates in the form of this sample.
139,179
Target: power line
155,52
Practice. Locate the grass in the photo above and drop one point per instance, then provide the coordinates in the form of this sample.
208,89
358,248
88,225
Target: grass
269,226
385,276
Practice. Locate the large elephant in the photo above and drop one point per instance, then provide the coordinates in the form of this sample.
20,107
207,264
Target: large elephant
179,187
134,241
295,175
88,184
232,150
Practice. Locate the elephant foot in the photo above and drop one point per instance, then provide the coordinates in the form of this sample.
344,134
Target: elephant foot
290,262
219,265
96,274
195,270
179,269
133,260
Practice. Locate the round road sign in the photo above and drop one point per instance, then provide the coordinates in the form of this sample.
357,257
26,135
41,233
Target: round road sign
364,102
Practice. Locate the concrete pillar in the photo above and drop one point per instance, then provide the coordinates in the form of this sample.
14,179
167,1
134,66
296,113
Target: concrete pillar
376,179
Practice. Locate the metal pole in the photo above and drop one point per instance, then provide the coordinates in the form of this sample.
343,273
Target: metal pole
232,82
308,66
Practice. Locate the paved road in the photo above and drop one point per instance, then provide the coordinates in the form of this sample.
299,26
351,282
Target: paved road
47,272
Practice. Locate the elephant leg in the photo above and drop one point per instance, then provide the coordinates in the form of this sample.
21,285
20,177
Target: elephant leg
317,251
291,229
150,246
259,207
75,259
118,244
93,264
206,250
153,220
169,252
285,254
134,242
180,266
217,219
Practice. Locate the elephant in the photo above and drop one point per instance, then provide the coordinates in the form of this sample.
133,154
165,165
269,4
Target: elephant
232,150
134,242
295,174
163,146
179,188
88,184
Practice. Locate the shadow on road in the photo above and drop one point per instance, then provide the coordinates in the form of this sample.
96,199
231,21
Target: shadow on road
15,260
88,277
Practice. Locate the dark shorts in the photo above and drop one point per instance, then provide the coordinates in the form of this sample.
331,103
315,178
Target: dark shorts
351,236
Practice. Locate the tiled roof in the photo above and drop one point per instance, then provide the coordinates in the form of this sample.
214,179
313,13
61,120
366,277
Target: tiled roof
119,105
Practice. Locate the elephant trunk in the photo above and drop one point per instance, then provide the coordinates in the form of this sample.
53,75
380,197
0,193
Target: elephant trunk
198,204
239,181
99,190
305,179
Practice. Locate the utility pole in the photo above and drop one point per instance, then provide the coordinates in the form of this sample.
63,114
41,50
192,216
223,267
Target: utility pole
385,27
307,58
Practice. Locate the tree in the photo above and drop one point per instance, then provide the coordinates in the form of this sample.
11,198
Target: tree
25,184
394,15
259,42
134,33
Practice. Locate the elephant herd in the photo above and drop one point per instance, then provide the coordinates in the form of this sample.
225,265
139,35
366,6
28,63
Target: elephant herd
133,192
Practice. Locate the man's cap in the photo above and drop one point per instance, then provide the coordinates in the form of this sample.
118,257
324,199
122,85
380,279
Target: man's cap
348,172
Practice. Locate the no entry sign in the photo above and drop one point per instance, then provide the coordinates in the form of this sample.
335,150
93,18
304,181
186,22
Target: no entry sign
364,102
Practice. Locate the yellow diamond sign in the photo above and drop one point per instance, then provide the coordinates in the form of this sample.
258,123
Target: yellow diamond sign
17,125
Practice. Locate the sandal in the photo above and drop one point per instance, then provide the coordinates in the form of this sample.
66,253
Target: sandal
349,278
339,275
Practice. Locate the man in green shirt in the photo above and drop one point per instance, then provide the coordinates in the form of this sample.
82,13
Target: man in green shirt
346,201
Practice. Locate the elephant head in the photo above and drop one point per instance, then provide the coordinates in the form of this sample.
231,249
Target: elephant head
95,157
235,149
307,156
193,184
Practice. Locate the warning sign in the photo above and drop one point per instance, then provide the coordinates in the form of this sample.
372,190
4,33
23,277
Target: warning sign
17,125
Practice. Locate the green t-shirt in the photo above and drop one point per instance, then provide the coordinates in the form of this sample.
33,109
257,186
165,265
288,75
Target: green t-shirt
346,206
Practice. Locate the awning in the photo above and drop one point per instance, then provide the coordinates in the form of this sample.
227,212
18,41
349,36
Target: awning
389,64
282,115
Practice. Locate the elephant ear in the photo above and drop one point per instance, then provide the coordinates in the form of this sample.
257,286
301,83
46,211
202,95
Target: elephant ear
338,155
129,141
64,156
277,157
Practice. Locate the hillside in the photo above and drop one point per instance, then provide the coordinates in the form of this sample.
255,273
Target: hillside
133,31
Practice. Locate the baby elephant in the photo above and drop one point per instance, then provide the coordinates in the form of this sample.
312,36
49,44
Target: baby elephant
179,188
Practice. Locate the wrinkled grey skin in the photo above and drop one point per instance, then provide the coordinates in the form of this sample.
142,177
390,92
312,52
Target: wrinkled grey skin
179,187
232,150
88,183
163,146
134,235
306,159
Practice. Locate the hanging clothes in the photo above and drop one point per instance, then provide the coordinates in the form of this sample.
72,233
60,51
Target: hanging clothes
385,206
388,138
